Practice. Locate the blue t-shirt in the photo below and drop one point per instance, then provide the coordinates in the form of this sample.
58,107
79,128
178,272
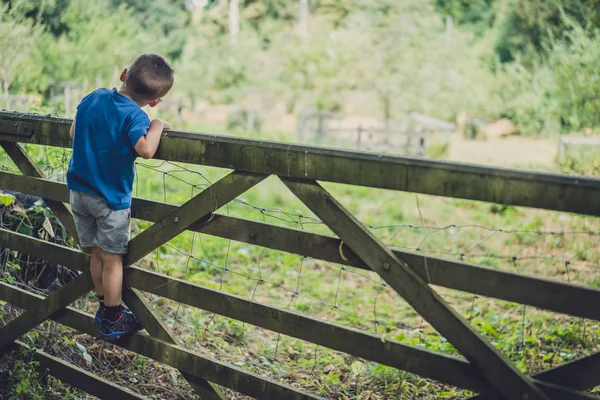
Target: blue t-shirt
107,127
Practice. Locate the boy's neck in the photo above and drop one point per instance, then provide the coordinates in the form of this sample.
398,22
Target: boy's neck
124,92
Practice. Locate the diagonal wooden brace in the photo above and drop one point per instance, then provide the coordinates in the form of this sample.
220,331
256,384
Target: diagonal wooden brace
582,374
54,302
177,221
207,390
201,206
498,370
19,156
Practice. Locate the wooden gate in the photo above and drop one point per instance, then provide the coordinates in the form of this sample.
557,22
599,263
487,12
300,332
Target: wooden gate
484,370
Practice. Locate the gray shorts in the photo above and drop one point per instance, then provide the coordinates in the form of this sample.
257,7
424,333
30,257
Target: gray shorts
98,224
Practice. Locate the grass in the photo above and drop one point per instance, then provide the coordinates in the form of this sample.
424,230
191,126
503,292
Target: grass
536,242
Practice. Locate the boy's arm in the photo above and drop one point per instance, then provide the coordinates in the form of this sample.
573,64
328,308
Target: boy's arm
72,132
147,145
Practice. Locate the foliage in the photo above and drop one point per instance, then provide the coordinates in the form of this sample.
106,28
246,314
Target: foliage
25,380
526,60
533,24
575,61
18,41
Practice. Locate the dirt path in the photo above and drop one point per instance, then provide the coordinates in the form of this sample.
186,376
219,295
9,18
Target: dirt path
507,152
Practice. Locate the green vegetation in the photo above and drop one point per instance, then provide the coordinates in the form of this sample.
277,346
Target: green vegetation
532,61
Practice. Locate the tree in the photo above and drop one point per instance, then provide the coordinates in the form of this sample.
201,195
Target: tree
533,24
400,51
19,38
82,55
165,20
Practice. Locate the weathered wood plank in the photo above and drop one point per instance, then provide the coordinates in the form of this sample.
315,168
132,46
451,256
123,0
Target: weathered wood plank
507,186
561,393
16,153
54,302
494,366
83,322
150,321
203,204
582,374
79,378
176,356
413,359
548,294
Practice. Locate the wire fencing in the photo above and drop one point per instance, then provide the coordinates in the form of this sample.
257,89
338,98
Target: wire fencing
534,242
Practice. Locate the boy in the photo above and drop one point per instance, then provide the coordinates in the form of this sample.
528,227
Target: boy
109,131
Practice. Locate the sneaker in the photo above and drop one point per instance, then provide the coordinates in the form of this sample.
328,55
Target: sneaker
100,313
125,323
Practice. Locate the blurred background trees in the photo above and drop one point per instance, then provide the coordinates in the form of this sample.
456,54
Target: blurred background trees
532,61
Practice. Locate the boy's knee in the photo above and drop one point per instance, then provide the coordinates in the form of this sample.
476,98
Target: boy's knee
97,253
110,258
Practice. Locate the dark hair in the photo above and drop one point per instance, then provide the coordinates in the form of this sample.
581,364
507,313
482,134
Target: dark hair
149,77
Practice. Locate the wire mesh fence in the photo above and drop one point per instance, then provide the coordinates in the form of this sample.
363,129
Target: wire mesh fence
535,242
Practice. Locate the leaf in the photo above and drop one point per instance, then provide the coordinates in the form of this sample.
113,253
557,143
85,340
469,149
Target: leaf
356,368
24,229
84,353
48,227
6,199
446,394
87,358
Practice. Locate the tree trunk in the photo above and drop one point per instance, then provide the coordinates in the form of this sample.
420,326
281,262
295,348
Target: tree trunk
303,18
234,20
449,24
386,104
5,87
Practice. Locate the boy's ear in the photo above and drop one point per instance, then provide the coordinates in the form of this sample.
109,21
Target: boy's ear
154,103
123,75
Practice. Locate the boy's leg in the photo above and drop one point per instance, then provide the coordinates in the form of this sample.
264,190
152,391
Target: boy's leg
118,321
112,278
96,269
111,239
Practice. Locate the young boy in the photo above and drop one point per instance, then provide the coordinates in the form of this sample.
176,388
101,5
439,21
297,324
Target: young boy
109,131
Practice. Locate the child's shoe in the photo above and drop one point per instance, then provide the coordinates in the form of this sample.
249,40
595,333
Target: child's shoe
100,315
125,323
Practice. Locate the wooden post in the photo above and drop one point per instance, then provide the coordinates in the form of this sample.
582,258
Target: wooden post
234,20
303,18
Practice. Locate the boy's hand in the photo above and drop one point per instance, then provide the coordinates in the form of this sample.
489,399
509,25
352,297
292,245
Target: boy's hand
148,144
